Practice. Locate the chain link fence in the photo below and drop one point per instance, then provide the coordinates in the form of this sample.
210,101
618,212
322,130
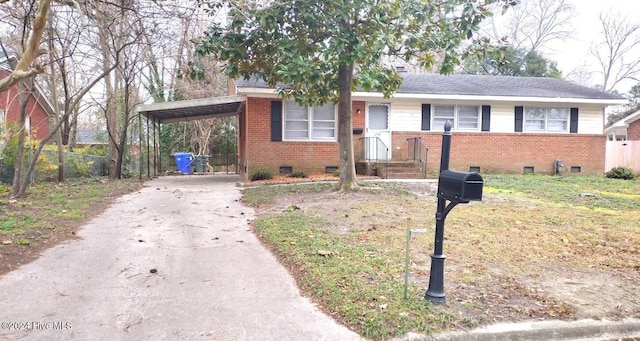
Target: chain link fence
76,166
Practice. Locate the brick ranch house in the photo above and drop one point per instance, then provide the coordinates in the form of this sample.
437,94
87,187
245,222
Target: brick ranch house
39,109
500,125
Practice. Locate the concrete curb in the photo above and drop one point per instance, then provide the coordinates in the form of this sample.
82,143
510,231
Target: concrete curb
581,330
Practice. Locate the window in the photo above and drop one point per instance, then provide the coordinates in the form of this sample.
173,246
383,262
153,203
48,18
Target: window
379,117
546,119
462,117
309,123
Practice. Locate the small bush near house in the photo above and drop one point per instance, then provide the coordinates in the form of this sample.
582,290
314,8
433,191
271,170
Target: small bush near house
261,174
298,174
620,173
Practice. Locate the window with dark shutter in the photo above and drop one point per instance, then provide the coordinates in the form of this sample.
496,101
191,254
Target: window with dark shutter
573,123
518,119
486,118
426,117
276,121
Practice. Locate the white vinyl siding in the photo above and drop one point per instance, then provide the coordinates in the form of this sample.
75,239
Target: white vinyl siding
590,121
405,116
309,123
502,118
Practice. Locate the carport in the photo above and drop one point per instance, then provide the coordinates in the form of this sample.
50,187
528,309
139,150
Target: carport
188,110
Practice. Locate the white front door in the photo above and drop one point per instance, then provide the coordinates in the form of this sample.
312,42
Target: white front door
378,126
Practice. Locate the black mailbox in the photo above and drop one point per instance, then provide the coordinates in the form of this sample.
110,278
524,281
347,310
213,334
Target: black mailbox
460,186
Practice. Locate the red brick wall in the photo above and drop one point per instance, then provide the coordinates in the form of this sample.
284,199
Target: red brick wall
10,103
358,120
309,157
510,152
633,131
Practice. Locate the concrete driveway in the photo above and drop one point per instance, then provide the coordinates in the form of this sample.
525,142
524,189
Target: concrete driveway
174,261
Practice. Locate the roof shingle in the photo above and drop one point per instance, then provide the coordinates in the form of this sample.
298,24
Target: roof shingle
482,85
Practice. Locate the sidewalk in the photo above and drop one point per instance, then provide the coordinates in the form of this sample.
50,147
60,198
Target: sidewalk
174,261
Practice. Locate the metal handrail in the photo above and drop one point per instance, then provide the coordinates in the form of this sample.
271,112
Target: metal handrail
418,152
372,155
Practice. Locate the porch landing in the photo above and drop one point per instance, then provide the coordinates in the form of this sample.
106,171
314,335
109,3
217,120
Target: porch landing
392,169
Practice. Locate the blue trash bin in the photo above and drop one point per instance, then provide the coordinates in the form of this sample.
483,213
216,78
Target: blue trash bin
183,162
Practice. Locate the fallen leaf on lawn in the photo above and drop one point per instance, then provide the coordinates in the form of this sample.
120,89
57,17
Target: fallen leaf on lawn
6,242
325,253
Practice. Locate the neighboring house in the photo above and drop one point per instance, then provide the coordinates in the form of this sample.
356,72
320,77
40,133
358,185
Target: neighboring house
500,125
39,109
627,128
623,143
91,137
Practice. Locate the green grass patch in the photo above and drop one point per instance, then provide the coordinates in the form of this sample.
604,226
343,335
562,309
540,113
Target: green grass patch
50,206
347,250
589,191
349,277
263,195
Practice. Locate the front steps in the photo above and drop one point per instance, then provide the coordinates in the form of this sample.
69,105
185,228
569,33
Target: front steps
390,169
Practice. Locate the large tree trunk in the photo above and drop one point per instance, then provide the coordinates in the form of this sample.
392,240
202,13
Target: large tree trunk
22,137
345,131
53,87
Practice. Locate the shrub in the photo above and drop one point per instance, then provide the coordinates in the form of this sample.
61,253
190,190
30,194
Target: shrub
298,174
77,166
620,173
261,174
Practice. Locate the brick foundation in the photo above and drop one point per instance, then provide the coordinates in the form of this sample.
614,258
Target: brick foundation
510,152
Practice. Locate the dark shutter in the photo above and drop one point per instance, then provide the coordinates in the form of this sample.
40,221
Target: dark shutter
573,124
486,118
276,121
519,119
426,117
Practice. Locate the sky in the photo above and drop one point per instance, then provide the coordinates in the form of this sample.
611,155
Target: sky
572,53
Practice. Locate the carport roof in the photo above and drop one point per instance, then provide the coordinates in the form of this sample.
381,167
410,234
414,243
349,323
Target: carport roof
194,109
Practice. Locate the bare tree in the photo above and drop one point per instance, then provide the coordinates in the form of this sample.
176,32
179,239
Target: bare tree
28,65
618,51
535,23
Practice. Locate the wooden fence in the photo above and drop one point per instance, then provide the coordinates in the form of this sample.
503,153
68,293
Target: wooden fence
623,153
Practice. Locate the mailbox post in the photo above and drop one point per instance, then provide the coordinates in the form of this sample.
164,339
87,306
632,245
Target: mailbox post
457,188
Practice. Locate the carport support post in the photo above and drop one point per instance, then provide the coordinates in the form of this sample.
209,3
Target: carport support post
435,293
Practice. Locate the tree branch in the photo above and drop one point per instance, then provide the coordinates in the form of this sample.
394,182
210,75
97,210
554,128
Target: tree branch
27,65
